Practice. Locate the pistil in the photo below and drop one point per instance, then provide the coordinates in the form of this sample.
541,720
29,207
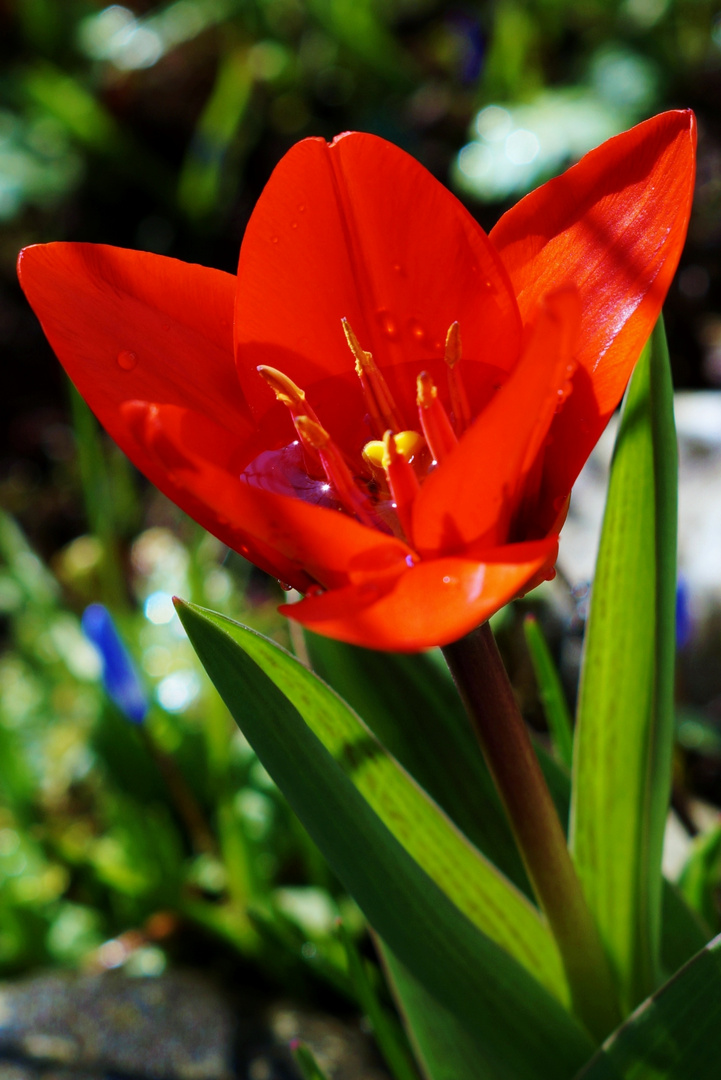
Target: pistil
456,387
314,436
402,480
437,428
382,408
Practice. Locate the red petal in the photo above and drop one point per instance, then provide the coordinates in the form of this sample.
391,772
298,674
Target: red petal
474,493
293,536
614,225
130,325
359,229
433,603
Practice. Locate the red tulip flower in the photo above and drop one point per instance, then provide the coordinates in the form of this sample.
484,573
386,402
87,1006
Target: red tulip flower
387,408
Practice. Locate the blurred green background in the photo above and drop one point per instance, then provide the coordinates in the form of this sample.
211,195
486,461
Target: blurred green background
155,126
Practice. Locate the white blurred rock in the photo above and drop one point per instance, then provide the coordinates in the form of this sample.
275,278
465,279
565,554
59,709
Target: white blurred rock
698,422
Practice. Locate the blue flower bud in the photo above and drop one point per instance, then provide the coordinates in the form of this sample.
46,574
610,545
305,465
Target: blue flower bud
120,677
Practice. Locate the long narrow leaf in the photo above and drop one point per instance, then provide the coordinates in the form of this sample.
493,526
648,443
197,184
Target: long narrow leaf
621,773
550,691
521,1031
411,705
444,1048
675,1035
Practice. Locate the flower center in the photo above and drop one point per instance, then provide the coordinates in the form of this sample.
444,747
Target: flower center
379,489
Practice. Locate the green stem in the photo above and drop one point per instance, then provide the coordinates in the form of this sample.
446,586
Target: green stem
484,687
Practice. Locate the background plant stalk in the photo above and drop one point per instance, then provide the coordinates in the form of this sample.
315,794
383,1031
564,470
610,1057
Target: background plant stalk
488,697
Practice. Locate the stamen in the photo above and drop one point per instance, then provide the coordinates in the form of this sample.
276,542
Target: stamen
402,480
314,436
437,428
294,399
287,392
379,400
459,398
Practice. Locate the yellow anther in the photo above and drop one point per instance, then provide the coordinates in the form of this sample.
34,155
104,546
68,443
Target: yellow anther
453,345
379,400
426,390
282,385
459,398
287,392
361,358
312,433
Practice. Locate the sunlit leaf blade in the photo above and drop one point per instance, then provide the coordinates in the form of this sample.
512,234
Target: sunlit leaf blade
675,1035
621,774
412,706
521,1031
550,691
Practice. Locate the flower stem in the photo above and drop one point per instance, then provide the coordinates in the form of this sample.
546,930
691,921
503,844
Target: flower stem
484,687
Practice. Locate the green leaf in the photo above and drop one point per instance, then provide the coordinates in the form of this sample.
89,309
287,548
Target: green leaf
699,880
338,779
675,1035
411,705
306,1062
624,731
550,691
683,931
444,1048
387,1034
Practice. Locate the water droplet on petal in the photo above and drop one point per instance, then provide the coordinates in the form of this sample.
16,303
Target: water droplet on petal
127,360
416,330
387,323
274,239
285,586
398,268
563,393
294,224
314,590
301,208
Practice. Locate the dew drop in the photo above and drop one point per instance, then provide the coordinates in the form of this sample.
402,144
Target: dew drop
387,324
564,392
397,268
294,224
314,590
274,239
127,360
301,208
416,330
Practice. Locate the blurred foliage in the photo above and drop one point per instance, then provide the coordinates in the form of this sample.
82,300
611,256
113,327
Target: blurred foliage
155,125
